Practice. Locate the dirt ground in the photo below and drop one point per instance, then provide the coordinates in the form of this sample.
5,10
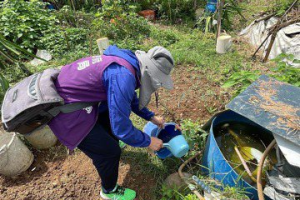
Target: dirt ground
193,97
54,175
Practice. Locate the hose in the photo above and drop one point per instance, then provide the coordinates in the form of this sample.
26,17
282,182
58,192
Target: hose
259,171
184,179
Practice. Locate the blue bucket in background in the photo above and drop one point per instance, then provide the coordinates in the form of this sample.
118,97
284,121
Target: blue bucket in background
215,164
165,135
211,6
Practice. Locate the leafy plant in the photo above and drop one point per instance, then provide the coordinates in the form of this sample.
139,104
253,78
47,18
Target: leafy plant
10,54
194,135
118,21
168,193
281,6
207,22
241,80
284,71
172,10
61,40
190,197
4,86
23,22
68,17
176,9
77,4
230,10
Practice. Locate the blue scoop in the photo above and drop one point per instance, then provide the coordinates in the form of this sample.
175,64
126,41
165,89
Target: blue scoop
173,145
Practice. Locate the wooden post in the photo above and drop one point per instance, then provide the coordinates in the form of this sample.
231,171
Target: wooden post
102,43
273,37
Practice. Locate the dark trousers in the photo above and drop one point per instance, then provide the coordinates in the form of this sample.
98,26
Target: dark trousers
103,148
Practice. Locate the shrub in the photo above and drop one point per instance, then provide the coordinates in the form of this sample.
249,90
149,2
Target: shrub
60,40
86,5
23,22
119,21
171,9
174,9
66,16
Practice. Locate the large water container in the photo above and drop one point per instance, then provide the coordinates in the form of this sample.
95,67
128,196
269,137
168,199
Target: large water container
214,162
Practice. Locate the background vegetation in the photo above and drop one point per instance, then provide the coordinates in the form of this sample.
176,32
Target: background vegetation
69,32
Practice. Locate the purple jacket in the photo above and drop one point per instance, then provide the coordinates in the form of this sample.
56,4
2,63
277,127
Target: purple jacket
81,81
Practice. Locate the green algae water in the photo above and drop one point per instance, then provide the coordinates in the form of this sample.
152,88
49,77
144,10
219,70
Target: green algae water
250,141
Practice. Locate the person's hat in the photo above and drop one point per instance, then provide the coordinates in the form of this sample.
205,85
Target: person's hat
156,66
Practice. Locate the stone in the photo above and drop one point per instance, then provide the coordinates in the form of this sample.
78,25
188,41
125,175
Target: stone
174,181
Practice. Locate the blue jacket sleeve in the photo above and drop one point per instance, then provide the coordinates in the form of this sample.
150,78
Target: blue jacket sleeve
120,86
144,113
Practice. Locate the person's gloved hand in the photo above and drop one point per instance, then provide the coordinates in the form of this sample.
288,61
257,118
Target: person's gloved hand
156,144
158,121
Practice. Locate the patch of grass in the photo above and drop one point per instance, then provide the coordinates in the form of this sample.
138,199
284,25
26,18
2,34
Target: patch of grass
198,49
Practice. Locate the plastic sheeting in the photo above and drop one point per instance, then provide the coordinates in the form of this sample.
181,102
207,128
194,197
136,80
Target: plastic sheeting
44,54
287,39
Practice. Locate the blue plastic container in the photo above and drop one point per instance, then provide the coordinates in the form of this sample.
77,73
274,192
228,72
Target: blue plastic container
178,146
214,162
165,135
211,6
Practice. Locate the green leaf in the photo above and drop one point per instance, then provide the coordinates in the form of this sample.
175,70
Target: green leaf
4,83
229,84
20,35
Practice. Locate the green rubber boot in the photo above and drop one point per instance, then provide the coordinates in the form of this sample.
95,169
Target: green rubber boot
119,193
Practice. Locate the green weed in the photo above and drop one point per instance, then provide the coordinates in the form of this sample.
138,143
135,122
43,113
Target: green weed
167,193
24,21
241,80
194,135
61,41
286,73
282,72
118,21
3,87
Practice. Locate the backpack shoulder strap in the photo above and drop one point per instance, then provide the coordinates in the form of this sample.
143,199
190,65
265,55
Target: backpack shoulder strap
68,108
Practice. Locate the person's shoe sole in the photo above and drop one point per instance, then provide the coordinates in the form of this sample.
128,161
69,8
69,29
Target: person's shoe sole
104,198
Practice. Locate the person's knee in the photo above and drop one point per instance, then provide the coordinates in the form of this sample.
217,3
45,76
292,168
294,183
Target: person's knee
113,152
112,157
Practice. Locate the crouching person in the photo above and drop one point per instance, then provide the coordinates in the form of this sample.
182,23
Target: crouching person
111,79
